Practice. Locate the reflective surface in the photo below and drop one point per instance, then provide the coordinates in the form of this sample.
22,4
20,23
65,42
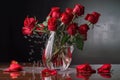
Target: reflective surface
31,72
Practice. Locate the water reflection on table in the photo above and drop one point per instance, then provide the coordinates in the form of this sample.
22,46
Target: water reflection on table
34,73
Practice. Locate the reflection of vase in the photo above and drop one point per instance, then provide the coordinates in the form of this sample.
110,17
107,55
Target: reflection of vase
60,60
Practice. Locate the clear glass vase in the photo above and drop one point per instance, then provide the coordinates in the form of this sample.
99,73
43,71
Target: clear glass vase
59,61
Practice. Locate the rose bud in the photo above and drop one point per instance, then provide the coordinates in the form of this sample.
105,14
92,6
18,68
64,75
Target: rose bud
66,18
55,12
83,29
52,24
93,17
29,22
78,10
26,31
55,9
72,29
69,10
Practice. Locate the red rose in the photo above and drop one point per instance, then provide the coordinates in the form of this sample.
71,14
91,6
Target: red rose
29,22
55,12
78,10
55,9
83,29
14,66
105,68
72,29
26,31
52,24
69,10
66,18
85,68
93,17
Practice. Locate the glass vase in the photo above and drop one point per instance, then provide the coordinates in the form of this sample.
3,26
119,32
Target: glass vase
59,61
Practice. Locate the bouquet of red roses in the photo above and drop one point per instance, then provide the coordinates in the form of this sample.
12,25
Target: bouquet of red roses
62,28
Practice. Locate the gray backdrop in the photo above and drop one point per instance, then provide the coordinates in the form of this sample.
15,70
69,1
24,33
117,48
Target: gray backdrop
102,45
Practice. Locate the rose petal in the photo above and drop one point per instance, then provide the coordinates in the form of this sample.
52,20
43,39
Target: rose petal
47,72
105,68
85,68
14,66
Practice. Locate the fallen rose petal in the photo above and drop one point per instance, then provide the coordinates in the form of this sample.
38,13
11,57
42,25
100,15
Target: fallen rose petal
13,75
47,72
105,68
53,72
85,68
14,66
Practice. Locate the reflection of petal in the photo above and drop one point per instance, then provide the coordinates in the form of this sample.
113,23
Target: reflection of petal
105,75
83,75
68,77
13,75
64,76
47,78
14,66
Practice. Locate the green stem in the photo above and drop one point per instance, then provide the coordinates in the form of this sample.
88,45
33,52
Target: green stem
58,50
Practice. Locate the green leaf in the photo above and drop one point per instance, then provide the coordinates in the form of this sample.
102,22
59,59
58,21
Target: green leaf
79,42
45,23
64,39
47,18
34,32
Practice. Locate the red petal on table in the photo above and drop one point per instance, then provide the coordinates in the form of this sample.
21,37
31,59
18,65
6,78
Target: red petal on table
105,68
85,68
14,66
53,72
13,75
47,72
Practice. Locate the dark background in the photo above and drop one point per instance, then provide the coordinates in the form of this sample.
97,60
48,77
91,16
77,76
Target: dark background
102,45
